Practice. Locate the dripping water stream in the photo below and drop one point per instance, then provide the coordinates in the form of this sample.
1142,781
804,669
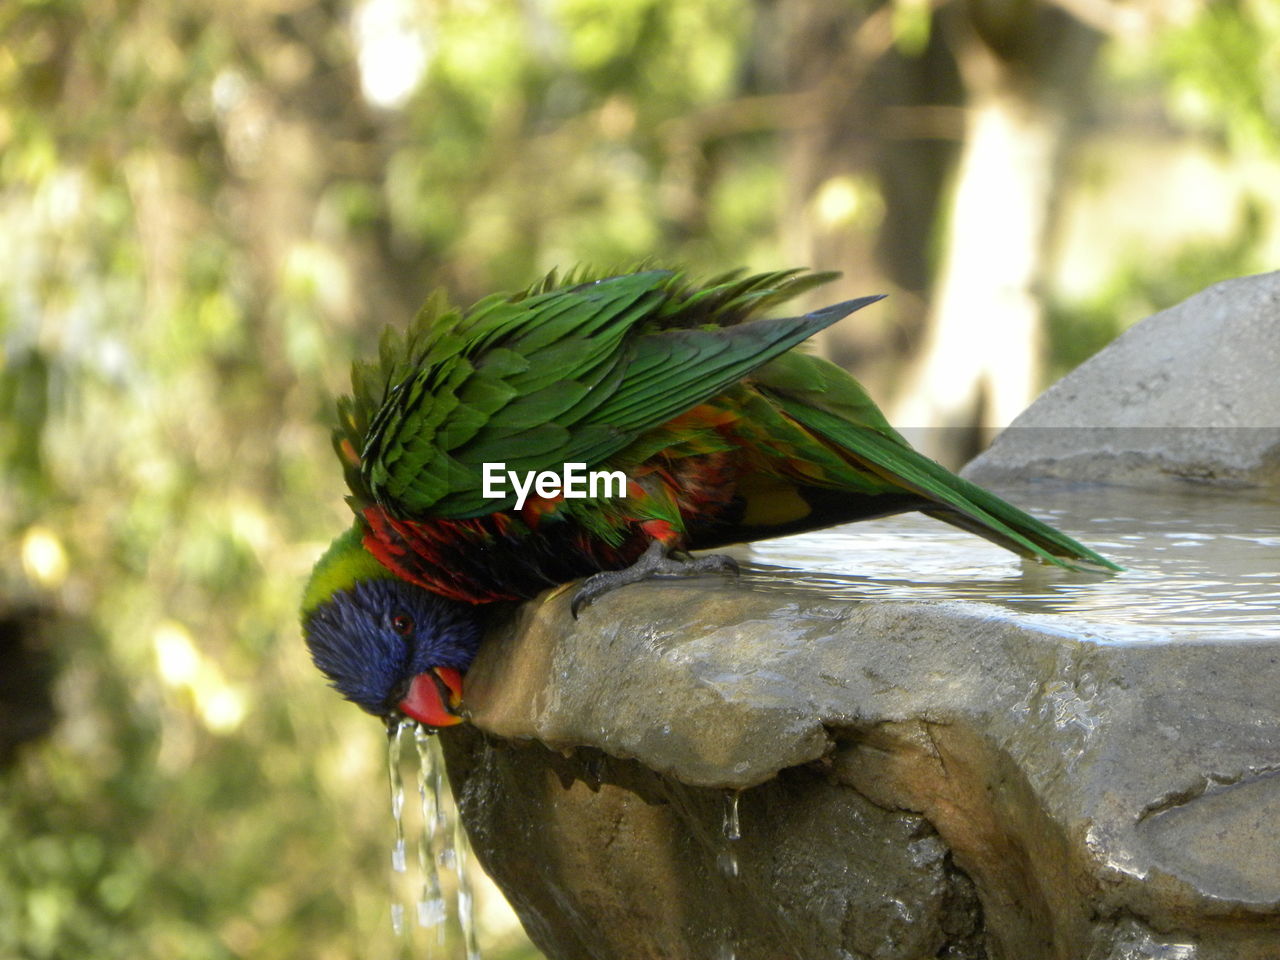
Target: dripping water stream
395,736
432,911
727,861
442,846
730,831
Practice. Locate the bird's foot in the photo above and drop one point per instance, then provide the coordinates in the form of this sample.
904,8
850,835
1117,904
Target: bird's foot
654,562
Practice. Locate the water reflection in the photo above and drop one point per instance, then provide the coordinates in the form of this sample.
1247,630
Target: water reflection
1202,564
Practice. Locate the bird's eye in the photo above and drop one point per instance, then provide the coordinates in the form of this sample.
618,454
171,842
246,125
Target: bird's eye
402,624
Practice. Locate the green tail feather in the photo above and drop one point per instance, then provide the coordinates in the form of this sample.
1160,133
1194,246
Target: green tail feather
960,503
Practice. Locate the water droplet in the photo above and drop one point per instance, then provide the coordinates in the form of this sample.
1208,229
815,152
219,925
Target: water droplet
431,913
397,918
732,824
466,911
727,862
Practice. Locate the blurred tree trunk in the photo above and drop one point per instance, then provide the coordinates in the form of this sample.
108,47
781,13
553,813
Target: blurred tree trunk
829,49
958,344
877,134
1024,68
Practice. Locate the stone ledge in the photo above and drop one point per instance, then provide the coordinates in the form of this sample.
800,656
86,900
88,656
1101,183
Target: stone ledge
1086,789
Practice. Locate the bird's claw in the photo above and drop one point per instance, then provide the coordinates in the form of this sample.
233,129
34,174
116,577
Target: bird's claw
654,562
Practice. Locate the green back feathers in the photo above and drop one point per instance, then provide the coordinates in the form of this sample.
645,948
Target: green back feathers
577,369
345,563
567,371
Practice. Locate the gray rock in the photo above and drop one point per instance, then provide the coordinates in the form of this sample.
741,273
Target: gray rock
604,858
1190,394
917,780
931,777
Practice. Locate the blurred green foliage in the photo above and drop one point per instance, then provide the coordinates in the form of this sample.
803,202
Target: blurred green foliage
206,210
1223,71
1138,286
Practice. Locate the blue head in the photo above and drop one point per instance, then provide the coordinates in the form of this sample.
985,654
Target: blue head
386,645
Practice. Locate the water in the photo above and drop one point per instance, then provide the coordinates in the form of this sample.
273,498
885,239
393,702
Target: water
395,736
727,862
731,831
452,846
1203,564
397,918
431,908
466,913
732,827
442,845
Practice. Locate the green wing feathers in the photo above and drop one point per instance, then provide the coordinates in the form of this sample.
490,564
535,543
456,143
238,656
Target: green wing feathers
553,375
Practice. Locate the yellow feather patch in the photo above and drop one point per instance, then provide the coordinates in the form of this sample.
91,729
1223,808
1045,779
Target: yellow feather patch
771,502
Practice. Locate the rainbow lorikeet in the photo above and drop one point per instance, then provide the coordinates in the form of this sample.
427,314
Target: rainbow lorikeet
717,431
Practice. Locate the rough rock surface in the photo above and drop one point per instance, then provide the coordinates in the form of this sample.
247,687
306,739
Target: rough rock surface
917,780
1190,394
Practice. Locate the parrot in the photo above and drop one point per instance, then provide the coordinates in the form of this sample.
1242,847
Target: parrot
719,428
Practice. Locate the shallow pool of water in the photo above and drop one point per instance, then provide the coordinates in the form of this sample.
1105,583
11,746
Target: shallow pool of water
1201,563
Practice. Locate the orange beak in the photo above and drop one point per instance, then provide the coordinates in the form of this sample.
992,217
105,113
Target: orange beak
434,697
